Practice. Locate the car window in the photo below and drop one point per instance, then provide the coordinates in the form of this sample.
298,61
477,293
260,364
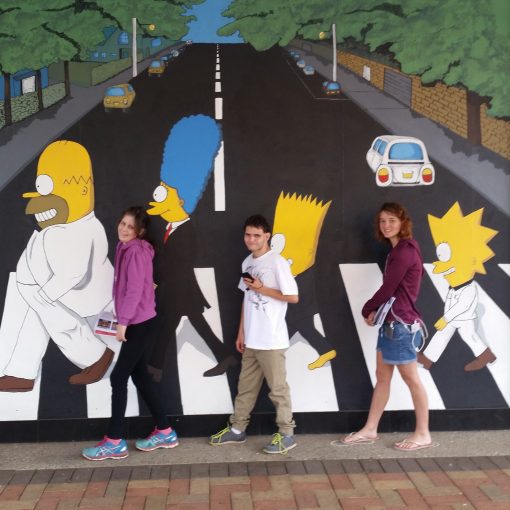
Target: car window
130,88
406,150
156,63
382,147
376,144
114,91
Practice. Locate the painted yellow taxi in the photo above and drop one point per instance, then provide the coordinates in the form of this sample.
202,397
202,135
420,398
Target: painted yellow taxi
156,68
119,96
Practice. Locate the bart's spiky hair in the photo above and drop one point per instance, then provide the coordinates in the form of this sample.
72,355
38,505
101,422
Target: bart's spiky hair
299,218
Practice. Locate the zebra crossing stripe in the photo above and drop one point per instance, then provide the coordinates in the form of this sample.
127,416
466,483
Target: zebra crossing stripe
361,282
202,395
505,268
493,326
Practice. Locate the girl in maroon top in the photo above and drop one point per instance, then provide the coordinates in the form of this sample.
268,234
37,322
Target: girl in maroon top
400,334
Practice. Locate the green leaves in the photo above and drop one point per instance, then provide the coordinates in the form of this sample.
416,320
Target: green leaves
458,42
41,32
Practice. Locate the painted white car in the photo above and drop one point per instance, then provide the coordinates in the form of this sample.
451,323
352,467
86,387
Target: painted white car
400,161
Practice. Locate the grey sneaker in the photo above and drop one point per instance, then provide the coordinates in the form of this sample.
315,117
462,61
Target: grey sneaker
226,436
280,444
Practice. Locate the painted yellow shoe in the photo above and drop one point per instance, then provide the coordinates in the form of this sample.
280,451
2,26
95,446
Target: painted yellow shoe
322,360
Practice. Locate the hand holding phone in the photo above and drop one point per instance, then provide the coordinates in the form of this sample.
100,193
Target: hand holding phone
247,276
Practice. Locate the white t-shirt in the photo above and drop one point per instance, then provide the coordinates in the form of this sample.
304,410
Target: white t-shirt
264,317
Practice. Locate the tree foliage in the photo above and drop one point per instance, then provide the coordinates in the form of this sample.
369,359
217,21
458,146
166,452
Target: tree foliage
36,33
458,42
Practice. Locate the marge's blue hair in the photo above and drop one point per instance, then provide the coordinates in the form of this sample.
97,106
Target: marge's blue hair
188,157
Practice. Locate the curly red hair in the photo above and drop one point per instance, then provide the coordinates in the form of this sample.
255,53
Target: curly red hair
406,229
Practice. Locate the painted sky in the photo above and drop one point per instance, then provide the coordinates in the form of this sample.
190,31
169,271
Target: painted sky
209,19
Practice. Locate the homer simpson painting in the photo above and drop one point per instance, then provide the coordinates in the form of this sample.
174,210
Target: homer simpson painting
461,248
62,277
297,226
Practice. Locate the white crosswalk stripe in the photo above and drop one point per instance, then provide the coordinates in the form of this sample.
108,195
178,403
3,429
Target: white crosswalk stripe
361,281
202,395
492,325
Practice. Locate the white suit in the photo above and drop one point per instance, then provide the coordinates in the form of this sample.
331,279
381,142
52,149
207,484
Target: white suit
63,276
460,314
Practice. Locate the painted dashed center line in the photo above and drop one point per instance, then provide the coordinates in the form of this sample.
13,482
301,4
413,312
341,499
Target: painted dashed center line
219,163
218,108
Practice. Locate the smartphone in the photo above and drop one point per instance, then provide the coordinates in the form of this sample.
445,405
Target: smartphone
248,276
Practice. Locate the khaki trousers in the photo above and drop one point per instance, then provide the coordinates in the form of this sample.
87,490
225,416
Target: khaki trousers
256,365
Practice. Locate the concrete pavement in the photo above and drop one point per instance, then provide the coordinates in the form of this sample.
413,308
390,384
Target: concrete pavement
468,470
66,455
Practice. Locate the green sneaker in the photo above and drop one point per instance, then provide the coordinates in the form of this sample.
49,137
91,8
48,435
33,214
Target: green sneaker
280,444
226,436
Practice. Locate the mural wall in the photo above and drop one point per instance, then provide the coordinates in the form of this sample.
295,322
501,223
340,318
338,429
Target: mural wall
220,124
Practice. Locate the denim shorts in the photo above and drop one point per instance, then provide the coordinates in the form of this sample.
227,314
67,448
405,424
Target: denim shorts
397,344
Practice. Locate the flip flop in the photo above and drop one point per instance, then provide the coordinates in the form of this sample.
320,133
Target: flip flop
412,446
357,439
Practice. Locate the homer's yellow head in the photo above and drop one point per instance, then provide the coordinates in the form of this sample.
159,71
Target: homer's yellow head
461,244
64,184
167,204
297,226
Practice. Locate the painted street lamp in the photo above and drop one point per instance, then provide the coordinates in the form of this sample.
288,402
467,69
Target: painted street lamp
134,49
332,88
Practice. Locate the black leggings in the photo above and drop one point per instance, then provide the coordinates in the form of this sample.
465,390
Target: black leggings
132,361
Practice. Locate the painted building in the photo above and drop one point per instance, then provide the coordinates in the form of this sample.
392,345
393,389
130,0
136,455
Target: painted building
118,44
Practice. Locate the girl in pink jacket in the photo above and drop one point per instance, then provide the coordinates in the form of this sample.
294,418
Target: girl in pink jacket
133,294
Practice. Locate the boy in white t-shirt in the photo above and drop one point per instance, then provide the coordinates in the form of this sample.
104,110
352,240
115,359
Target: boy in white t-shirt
268,286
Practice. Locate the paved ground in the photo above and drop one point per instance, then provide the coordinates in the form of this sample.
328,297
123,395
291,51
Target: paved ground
468,470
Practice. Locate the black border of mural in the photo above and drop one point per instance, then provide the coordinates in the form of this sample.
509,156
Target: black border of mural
261,424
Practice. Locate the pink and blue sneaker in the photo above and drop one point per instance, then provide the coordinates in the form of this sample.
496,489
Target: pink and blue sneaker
158,439
107,449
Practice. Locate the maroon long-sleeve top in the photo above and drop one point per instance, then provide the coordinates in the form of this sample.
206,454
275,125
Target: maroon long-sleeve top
401,279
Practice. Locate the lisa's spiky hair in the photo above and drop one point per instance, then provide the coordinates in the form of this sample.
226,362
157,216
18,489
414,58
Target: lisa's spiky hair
299,219
465,240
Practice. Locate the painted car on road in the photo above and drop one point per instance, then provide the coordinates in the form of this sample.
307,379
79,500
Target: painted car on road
331,88
400,161
156,68
119,96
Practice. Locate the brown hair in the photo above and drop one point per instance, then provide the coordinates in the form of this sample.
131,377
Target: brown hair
406,229
141,220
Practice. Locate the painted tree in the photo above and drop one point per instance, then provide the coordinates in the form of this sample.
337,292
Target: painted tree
38,33
35,42
458,42
168,16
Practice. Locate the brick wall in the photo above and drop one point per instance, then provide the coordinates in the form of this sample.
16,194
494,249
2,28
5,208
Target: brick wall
355,64
495,133
445,105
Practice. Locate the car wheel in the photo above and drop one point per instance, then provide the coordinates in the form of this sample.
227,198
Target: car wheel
108,110
125,110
